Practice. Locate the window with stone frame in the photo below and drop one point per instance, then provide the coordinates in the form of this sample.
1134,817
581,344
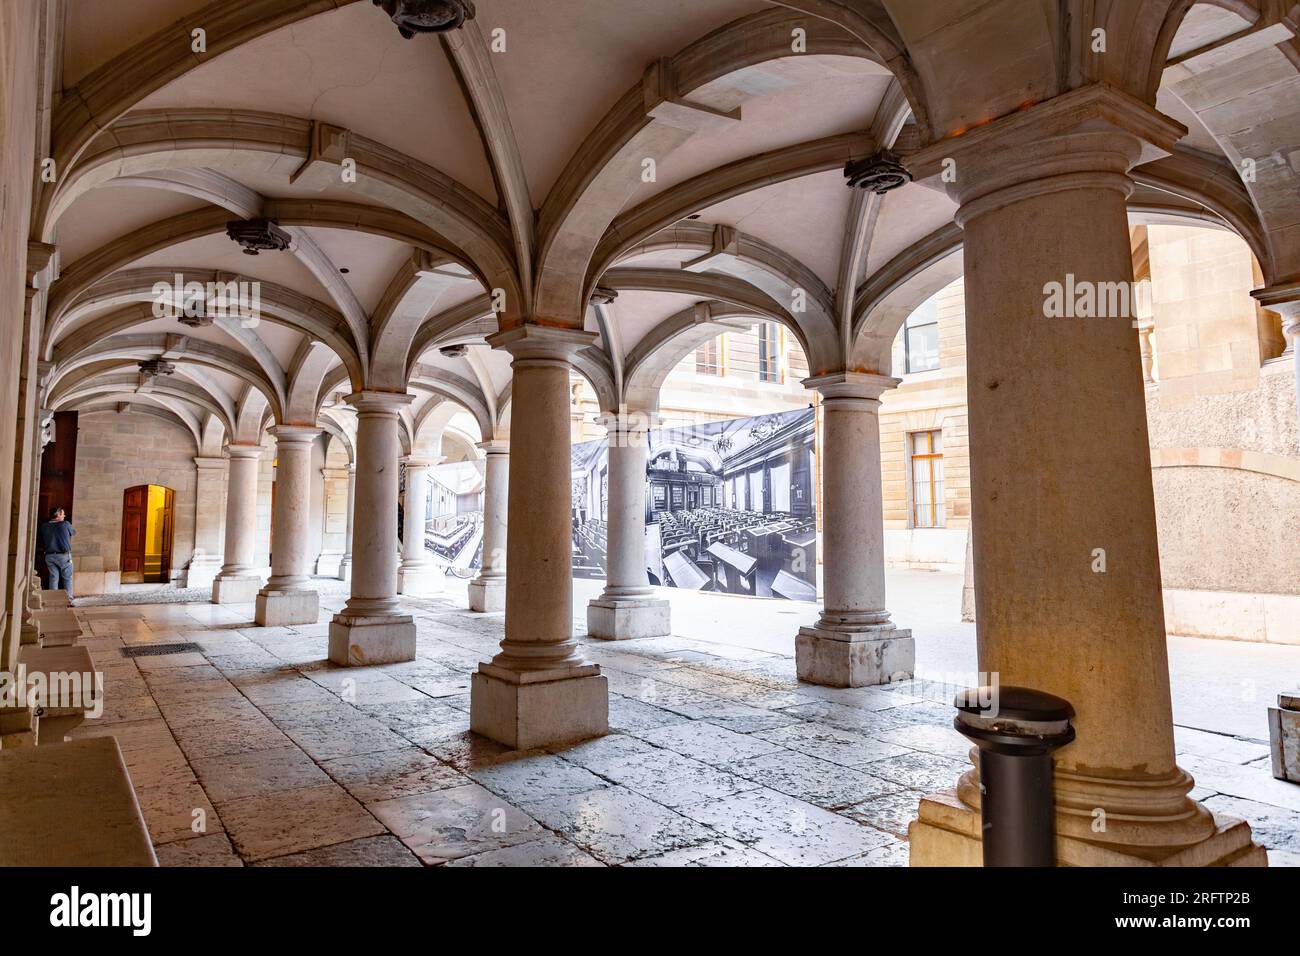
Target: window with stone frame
925,457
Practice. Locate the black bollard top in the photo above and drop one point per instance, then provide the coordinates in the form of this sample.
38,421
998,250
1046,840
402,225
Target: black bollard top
1013,703
1014,720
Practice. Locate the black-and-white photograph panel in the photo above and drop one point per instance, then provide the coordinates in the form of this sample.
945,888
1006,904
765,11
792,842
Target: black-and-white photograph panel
729,507
453,508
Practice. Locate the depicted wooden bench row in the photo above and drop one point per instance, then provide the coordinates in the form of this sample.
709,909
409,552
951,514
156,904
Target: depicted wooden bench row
71,805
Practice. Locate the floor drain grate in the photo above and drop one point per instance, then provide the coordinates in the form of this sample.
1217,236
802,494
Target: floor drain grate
153,650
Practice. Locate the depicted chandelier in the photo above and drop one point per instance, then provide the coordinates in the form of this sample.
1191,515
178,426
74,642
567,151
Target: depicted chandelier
723,444
878,174
258,235
427,16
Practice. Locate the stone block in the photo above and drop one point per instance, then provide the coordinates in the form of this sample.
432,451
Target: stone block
359,641
422,580
282,608
487,595
1284,737
524,712
879,655
235,590
621,620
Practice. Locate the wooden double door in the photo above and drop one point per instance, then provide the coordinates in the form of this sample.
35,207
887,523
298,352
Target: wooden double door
148,525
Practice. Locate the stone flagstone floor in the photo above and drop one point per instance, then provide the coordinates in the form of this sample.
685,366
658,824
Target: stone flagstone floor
253,749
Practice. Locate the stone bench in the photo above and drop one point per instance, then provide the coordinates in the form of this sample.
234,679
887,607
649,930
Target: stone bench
68,677
54,598
71,806
57,626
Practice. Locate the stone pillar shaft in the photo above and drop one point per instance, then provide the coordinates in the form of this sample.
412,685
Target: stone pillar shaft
539,690
627,608
207,559
288,597
345,566
419,572
373,628
487,592
238,581
853,643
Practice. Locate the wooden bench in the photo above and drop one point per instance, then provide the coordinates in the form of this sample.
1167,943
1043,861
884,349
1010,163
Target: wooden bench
71,806
57,626
56,718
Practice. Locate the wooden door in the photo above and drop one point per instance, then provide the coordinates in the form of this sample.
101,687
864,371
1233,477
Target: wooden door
168,528
135,522
57,482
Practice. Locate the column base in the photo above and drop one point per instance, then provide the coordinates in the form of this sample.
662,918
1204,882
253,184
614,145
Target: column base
235,589
1284,737
345,568
947,833
360,641
327,564
487,594
423,579
622,619
530,709
202,574
880,654
281,608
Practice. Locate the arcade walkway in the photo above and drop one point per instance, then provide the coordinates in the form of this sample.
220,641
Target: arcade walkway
248,747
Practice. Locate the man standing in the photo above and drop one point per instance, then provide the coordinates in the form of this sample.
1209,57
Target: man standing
55,538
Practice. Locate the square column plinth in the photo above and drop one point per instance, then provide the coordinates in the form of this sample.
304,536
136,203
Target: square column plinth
426,579
947,833
529,709
282,608
614,619
358,641
487,595
235,590
858,658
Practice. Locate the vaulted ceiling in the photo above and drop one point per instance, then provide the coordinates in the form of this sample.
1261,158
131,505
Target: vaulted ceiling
685,158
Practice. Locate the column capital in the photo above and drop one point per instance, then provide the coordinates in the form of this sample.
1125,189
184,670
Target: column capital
242,450
542,344
852,386
1088,137
412,461
379,403
495,446
294,434
1284,299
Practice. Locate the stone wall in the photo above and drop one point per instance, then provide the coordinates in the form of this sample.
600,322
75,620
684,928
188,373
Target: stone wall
117,451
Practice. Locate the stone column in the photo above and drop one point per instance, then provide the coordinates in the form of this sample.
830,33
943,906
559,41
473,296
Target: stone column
345,565
853,643
206,563
627,608
1069,596
539,690
333,516
1284,299
487,592
419,573
288,597
374,628
238,582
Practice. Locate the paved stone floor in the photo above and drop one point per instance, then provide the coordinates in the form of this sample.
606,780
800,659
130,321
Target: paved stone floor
252,749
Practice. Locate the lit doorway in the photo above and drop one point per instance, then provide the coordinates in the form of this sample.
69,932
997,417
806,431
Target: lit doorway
148,524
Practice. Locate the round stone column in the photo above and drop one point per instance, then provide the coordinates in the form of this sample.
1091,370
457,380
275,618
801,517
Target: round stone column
374,628
238,582
539,691
627,608
487,592
853,644
288,597
419,572
345,565
1068,593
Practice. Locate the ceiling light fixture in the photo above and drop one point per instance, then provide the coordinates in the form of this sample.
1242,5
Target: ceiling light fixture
258,235
879,173
427,16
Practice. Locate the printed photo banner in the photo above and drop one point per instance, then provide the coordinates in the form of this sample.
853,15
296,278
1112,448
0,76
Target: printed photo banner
729,507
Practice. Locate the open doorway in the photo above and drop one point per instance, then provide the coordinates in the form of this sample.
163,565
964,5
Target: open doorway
148,513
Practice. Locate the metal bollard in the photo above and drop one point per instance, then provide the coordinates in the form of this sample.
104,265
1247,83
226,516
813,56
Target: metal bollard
1016,730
